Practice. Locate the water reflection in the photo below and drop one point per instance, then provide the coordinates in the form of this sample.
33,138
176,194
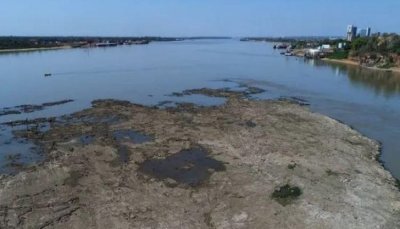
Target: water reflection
381,82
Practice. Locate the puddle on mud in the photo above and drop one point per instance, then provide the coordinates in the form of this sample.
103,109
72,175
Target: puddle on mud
16,152
131,136
191,167
87,139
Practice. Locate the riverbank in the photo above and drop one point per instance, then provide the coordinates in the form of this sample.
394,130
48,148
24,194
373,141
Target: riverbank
33,49
355,63
246,164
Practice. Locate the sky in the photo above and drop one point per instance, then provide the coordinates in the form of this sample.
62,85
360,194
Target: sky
195,17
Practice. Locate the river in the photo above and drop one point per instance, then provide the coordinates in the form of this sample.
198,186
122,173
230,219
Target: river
369,101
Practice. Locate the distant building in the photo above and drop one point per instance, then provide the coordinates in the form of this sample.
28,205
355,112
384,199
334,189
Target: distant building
368,31
341,45
362,33
325,47
365,32
351,32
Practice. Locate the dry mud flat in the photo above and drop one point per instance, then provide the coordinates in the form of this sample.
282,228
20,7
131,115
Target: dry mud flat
246,164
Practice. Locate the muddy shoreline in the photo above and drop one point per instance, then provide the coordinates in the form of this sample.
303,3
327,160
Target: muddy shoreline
29,108
354,63
7,51
244,164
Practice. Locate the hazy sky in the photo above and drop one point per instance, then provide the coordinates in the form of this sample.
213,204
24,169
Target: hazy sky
195,17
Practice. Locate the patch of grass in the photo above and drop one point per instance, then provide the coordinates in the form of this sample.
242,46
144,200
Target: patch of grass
286,194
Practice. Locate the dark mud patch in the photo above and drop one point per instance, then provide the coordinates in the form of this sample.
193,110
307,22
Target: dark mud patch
221,92
111,102
73,179
397,183
27,122
331,173
123,154
189,167
286,194
251,124
292,166
29,108
89,119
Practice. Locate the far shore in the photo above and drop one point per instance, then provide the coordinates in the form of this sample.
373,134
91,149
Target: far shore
33,49
355,63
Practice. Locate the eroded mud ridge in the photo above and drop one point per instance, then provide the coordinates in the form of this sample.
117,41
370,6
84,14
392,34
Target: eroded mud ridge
246,164
29,108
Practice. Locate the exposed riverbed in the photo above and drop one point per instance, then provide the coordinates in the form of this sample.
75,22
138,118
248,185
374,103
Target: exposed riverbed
179,79
245,164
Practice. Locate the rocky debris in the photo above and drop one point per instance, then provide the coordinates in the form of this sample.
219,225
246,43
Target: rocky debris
29,108
205,167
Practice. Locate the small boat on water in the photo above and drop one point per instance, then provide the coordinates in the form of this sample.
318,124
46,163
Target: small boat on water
47,74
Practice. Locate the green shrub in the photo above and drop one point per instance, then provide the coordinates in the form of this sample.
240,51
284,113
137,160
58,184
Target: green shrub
286,194
339,55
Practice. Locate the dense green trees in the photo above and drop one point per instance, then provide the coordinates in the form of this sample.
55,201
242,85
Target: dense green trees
12,42
383,45
19,43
